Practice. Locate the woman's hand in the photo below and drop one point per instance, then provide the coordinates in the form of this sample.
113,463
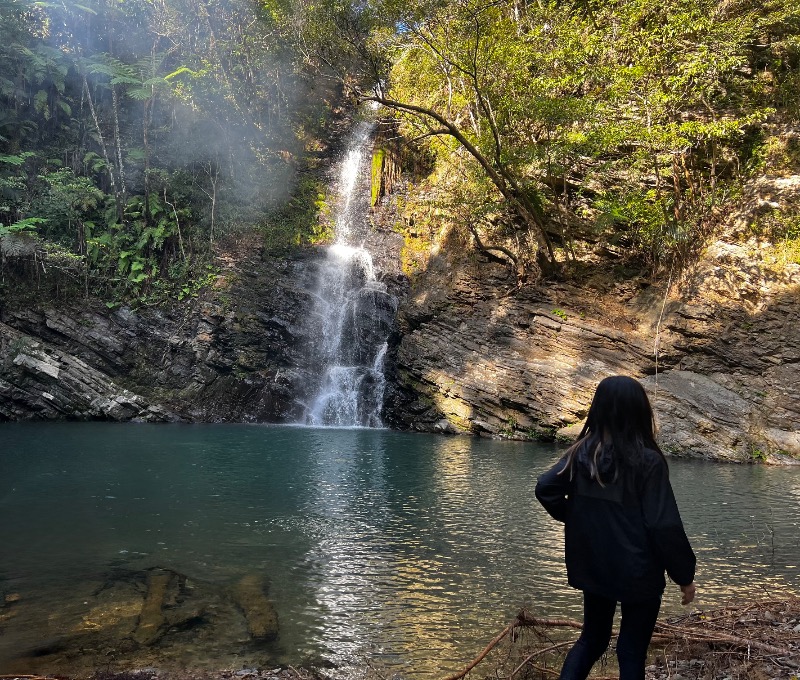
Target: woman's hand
688,593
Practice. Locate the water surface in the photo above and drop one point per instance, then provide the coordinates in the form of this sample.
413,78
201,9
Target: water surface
405,551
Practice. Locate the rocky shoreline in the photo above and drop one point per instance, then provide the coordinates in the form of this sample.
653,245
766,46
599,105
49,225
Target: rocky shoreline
717,346
754,639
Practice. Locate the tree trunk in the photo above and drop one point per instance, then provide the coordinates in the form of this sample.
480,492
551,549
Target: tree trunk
109,165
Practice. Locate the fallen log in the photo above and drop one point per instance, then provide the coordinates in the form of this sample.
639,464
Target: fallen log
152,622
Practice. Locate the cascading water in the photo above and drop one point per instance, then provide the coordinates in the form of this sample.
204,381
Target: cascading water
353,312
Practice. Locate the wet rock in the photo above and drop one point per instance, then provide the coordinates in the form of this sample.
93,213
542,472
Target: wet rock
39,380
445,427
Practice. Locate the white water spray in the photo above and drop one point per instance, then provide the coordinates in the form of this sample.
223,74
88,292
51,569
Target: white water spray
353,311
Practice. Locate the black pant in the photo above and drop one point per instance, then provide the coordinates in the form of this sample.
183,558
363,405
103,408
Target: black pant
635,631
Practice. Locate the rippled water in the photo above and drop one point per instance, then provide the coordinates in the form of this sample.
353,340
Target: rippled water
405,551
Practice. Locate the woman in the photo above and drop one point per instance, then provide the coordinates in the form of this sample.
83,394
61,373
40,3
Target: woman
621,525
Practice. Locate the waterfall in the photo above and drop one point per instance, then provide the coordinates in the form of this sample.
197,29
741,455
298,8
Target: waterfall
353,313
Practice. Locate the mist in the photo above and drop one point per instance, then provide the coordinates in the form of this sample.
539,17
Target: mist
203,107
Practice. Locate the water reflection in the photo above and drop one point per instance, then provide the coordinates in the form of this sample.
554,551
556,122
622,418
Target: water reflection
743,524
409,551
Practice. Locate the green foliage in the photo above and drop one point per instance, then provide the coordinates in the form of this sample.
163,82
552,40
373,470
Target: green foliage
773,154
375,175
173,128
193,286
637,218
541,433
24,226
16,160
133,253
67,201
136,151
647,102
300,221
782,229
509,428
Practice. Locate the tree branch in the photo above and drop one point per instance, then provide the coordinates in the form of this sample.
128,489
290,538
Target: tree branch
509,190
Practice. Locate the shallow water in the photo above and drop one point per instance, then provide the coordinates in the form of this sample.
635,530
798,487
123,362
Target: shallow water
405,551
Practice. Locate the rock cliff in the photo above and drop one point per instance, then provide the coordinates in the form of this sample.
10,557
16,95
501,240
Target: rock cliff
235,355
718,348
240,353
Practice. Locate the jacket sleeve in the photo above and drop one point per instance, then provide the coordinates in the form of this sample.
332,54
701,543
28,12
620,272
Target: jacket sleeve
552,490
664,526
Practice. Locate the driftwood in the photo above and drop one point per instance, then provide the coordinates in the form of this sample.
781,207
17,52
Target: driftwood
745,635
152,622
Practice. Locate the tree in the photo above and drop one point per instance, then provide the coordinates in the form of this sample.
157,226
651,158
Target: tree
633,112
171,121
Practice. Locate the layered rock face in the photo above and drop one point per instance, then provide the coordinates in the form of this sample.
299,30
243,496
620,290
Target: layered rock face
242,353
236,356
41,379
719,352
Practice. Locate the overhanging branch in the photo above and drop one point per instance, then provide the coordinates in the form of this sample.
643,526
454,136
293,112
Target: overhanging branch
508,186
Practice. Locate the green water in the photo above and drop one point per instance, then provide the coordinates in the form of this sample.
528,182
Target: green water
401,551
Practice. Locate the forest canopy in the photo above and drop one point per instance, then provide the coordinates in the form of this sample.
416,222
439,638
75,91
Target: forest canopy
553,120
135,134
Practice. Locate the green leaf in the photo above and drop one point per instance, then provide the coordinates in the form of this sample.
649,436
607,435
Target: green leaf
182,69
29,224
140,93
136,154
122,79
13,160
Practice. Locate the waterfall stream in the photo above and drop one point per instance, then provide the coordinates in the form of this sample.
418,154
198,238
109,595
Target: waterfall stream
353,313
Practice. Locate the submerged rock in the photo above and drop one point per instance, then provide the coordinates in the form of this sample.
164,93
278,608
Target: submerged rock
154,617
152,622
262,619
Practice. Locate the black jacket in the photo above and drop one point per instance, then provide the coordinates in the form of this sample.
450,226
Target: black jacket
619,537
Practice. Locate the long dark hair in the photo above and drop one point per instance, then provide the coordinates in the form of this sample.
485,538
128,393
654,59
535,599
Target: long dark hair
621,418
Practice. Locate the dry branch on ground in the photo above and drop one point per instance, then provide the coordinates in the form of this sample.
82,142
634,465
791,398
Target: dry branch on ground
758,640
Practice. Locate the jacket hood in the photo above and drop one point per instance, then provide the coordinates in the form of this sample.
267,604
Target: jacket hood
606,465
